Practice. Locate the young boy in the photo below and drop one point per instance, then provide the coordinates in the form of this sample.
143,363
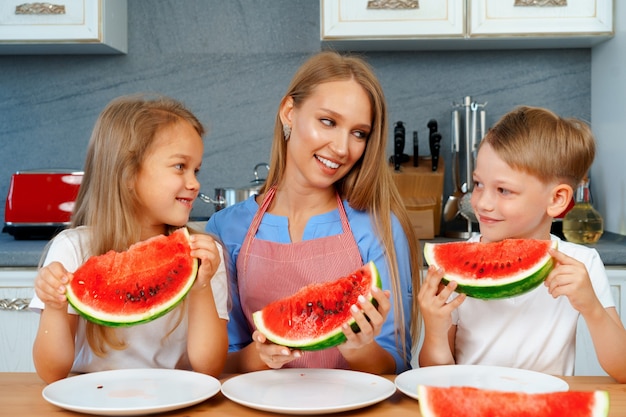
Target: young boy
527,167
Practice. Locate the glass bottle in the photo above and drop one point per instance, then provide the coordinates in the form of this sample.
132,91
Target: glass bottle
583,223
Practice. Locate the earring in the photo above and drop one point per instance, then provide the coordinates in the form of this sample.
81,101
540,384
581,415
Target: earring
286,131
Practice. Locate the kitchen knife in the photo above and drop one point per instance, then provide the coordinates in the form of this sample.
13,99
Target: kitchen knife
435,139
415,149
398,144
432,128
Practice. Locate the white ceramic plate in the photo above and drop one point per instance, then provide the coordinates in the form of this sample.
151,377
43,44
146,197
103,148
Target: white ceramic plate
478,376
307,391
131,391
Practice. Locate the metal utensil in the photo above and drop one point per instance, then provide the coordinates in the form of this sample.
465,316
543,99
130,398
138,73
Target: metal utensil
451,208
465,205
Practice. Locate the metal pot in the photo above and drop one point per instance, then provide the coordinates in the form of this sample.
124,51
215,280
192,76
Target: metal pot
227,196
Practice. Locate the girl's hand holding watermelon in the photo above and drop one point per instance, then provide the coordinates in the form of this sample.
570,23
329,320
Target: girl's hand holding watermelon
50,285
205,249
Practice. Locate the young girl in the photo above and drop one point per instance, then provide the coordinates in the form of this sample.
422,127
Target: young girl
526,169
139,181
329,205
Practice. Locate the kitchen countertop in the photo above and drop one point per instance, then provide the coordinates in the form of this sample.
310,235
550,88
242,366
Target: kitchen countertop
26,253
20,395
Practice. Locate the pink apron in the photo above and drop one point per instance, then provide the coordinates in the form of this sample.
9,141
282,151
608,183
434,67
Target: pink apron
268,271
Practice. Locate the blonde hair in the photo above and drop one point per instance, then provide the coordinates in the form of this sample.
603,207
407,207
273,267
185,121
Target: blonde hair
539,142
369,184
120,141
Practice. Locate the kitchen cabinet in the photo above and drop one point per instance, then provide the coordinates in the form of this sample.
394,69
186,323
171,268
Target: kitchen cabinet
586,359
63,27
18,325
464,24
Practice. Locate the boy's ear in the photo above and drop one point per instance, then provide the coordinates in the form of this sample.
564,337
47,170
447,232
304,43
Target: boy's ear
561,197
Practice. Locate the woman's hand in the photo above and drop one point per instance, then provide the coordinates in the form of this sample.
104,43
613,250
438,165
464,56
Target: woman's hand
205,249
369,318
50,285
274,356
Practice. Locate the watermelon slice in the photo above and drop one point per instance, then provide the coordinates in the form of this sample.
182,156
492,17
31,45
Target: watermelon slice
501,269
312,318
137,285
475,402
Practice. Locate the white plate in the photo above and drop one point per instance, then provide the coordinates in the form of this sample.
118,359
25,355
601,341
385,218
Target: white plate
478,376
131,391
307,391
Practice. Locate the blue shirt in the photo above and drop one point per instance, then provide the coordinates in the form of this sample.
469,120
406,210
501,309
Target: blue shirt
231,224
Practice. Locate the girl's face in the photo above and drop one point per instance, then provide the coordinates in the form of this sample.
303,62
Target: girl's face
509,203
166,184
329,133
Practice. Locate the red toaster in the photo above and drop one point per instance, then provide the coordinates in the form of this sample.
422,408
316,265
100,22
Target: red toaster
40,202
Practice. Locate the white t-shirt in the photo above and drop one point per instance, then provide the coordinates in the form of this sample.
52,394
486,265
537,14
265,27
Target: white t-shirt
148,345
531,331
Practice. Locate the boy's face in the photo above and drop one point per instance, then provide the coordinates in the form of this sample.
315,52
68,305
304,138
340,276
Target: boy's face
509,203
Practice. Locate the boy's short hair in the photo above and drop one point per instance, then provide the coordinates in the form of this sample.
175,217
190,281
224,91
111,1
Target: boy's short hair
539,142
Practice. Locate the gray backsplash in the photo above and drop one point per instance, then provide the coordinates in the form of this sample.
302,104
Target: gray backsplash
230,62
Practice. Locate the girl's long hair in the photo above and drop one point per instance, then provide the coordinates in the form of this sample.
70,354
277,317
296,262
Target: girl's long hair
106,202
369,185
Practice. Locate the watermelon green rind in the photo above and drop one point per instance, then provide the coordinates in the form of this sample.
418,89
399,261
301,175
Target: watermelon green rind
468,401
88,309
494,288
329,339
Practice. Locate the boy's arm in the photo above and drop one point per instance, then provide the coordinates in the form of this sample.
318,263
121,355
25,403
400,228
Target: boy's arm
609,340
436,350
571,279
439,332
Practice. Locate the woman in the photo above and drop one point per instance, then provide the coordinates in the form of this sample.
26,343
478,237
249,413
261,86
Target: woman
329,205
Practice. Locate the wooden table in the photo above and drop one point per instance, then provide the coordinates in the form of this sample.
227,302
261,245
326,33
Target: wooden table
20,395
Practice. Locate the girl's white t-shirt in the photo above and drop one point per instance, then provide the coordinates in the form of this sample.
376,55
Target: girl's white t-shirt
531,331
156,344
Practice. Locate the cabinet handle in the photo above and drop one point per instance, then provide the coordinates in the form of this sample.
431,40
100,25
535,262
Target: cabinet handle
14,304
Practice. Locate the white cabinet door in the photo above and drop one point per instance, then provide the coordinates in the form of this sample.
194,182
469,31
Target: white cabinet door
63,27
571,18
464,24
345,19
18,325
586,359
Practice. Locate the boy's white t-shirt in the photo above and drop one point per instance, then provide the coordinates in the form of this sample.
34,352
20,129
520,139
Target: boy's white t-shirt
531,331
148,345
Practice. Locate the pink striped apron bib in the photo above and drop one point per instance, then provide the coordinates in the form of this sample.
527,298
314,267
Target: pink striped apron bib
268,271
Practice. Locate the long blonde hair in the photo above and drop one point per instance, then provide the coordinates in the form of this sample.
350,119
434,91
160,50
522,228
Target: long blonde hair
120,141
369,185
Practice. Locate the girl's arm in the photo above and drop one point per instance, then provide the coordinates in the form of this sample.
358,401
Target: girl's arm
53,349
207,340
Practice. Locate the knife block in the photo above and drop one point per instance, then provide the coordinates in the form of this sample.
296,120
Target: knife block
421,189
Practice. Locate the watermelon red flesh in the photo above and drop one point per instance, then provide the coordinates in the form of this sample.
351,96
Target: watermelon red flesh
470,402
312,318
137,285
493,270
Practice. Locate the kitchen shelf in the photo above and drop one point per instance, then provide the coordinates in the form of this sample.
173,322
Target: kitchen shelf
63,27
